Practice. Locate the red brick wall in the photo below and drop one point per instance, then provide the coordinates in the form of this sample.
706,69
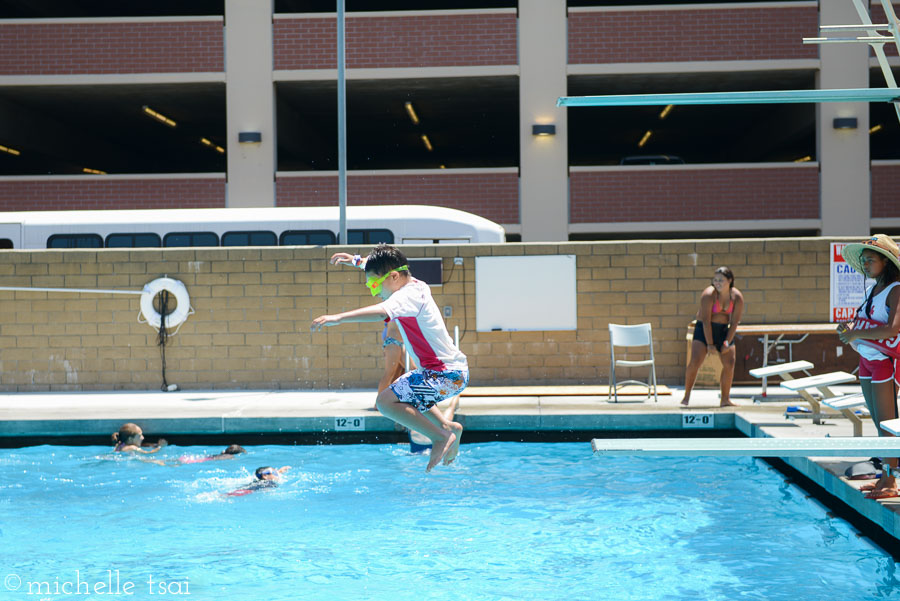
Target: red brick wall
74,194
885,190
121,47
494,196
673,194
396,41
692,35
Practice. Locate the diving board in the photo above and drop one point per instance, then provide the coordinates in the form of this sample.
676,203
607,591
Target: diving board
756,97
748,447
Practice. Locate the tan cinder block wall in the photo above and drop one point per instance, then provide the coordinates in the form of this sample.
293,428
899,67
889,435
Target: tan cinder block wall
253,307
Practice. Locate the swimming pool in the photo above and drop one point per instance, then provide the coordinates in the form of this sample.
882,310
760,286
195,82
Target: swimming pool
509,521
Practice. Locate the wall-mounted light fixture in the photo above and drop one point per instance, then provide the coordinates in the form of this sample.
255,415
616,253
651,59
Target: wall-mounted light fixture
249,137
158,116
844,123
547,129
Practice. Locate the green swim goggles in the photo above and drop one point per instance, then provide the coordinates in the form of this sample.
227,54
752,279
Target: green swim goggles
374,283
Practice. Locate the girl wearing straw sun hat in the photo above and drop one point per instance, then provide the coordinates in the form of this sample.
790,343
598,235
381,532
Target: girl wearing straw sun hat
874,334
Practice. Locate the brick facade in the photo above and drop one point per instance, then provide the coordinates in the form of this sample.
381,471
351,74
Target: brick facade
494,196
64,194
691,194
721,34
117,47
886,190
396,41
253,307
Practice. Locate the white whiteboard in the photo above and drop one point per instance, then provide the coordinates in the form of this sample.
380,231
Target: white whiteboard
535,292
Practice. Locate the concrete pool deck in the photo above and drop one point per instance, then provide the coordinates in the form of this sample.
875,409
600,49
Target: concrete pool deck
49,416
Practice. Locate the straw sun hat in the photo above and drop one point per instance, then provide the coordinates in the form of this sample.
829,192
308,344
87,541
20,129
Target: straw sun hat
879,243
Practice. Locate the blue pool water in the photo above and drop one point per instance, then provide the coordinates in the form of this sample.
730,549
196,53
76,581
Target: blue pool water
509,521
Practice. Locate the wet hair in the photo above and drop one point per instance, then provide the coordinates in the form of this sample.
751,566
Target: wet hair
260,470
726,272
126,432
234,449
383,259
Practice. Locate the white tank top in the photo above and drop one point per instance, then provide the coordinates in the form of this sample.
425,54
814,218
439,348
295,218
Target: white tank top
879,313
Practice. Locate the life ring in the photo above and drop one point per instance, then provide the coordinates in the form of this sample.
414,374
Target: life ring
182,300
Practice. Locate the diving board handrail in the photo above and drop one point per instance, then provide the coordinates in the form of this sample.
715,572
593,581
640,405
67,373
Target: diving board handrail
749,447
755,97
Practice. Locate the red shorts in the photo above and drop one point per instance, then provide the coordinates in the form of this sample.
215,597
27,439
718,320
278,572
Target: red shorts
883,370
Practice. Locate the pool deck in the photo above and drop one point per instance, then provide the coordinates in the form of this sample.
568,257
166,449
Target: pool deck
46,416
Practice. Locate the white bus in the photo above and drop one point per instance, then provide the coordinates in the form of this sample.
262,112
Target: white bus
268,226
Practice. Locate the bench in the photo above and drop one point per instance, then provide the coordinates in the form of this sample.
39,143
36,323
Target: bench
820,383
785,370
892,426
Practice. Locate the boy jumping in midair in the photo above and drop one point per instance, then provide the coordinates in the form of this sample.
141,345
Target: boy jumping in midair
443,373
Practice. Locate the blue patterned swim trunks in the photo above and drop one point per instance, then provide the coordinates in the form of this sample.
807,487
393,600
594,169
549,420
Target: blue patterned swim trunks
423,388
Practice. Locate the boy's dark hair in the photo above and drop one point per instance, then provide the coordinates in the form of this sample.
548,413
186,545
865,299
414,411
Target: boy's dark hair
384,258
260,470
234,449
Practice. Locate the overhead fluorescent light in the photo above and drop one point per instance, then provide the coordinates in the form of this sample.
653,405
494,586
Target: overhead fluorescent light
427,143
805,159
412,113
94,171
158,116
665,112
645,138
9,150
875,128
210,144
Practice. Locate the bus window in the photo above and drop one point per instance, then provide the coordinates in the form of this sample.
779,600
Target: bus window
191,239
5,243
146,240
74,241
307,238
260,238
370,236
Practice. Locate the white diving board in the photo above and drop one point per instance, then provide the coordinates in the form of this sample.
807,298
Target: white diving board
763,97
749,447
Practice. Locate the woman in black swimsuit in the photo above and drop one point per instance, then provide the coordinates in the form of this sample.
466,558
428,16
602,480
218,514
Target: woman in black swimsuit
721,307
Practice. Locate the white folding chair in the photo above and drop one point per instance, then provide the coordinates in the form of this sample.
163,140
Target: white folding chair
628,337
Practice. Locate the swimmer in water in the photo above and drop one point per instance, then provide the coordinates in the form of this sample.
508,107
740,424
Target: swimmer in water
230,453
266,477
130,438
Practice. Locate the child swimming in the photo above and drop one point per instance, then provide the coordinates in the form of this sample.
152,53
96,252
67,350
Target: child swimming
129,439
266,477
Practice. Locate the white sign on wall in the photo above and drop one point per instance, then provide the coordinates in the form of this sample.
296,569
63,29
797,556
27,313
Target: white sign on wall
532,292
847,289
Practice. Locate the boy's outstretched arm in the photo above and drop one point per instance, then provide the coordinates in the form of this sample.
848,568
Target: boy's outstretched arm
372,313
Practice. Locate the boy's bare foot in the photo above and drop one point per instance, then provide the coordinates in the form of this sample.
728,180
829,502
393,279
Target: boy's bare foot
727,403
685,401
439,448
457,429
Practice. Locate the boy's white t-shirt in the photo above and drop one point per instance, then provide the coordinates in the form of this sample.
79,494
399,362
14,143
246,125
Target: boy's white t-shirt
422,327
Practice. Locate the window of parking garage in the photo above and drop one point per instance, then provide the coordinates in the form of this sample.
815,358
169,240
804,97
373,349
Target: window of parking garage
691,134
107,129
449,123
